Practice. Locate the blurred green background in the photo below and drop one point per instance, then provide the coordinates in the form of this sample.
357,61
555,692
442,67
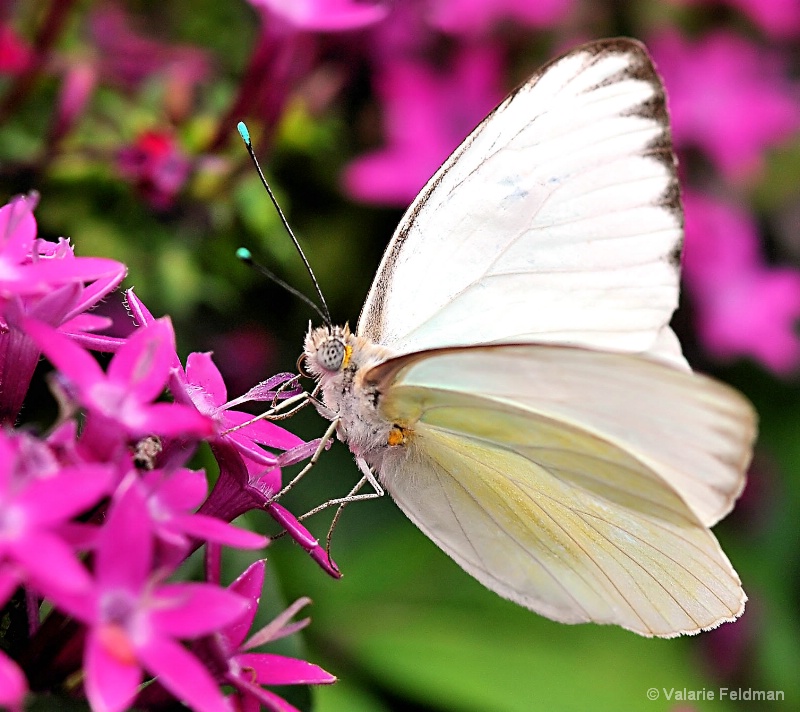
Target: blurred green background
404,628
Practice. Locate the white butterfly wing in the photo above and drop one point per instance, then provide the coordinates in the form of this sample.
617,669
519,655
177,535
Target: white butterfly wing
557,220
578,484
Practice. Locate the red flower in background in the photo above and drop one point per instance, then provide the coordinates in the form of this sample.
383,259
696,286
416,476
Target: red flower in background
157,167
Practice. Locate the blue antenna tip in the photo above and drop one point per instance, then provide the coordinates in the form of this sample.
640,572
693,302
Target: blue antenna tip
244,254
243,132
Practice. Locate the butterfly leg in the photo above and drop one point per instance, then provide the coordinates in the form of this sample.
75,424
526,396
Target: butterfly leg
294,404
352,496
312,461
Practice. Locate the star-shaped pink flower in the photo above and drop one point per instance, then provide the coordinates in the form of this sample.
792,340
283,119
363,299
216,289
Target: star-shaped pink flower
744,307
728,97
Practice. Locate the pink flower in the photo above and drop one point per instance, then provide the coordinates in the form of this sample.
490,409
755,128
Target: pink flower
15,54
155,164
113,610
35,267
426,115
243,485
323,15
76,89
43,280
247,671
128,58
779,18
744,307
36,498
206,390
171,499
476,16
120,403
728,97
135,621
13,685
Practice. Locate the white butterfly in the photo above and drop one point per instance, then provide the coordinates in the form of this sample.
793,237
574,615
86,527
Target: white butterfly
513,380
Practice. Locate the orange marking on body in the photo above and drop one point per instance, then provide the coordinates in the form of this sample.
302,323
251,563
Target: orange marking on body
397,436
348,352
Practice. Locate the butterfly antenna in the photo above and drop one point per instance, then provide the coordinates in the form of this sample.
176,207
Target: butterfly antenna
247,257
324,312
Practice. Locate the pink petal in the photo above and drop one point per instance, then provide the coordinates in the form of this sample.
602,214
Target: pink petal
190,610
179,491
50,564
86,322
66,494
69,358
58,271
138,310
183,675
250,450
201,371
95,342
324,15
143,363
278,670
53,307
303,537
249,586
124,554
102,287
293,527
17,230
13,685
262,431
215,530
269,700
110,683
173,419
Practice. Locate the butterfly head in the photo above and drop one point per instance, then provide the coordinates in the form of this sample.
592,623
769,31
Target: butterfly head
327,350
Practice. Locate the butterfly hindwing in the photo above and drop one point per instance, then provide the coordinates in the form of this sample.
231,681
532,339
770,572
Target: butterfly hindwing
534,469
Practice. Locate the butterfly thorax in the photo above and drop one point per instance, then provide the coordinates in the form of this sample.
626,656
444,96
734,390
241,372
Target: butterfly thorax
340,361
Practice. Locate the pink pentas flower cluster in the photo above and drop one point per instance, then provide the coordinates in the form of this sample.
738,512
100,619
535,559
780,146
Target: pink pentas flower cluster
732,102
778,18
744,307
475,16
97,513
429,105
727,96
426,113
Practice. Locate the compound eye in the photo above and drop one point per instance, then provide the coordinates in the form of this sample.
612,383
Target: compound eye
331,355
302,367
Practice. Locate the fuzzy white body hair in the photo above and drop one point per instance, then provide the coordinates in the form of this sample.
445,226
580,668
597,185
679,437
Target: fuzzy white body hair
348,397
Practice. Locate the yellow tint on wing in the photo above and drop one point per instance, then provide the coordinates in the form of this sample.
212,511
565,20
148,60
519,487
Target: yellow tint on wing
557,519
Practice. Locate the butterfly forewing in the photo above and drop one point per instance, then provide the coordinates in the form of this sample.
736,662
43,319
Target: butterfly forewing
558,220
